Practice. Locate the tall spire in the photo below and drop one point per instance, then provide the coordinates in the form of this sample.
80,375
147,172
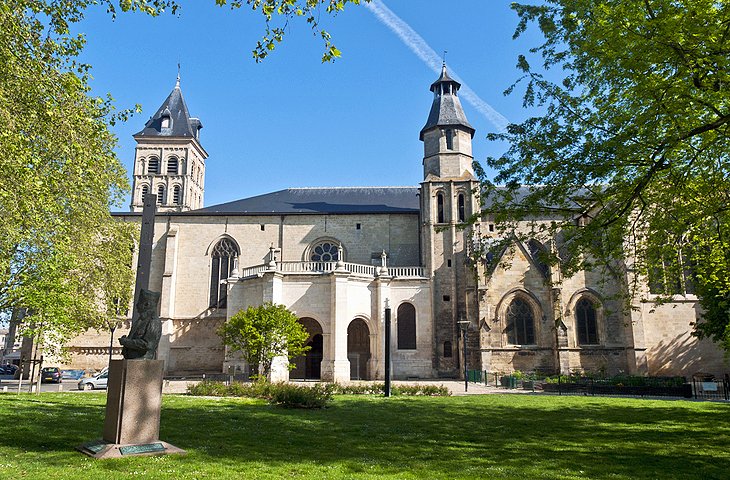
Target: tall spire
172,118
446,108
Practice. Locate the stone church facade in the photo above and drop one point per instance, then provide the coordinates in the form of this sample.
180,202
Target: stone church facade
337,257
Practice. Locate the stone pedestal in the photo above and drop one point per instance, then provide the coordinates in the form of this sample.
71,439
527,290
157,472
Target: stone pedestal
133,402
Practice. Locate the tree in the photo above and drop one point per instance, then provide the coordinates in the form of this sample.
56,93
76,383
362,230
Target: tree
59,175
262,333
631,154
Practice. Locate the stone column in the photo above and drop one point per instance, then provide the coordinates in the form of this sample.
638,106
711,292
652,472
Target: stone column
382,292
338,367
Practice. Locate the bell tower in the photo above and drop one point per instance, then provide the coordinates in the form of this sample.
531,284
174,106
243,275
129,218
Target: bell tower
449,198
169,160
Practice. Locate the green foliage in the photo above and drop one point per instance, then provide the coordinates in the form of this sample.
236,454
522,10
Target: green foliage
285,11
269,391
262,333
58,175
283,394
299,396
632,151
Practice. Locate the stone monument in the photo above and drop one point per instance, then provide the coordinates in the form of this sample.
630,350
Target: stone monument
134,392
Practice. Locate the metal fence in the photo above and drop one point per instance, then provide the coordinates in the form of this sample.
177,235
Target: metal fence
700,386
710,388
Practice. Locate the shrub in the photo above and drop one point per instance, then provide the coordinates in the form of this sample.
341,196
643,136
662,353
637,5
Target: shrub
379,389
284,394
300,396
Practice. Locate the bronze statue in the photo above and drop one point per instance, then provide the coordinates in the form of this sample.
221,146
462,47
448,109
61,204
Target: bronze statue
146,329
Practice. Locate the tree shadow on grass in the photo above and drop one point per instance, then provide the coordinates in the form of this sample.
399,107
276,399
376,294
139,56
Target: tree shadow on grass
466,437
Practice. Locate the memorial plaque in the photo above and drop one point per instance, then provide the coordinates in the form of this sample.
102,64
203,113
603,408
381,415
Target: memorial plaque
141,449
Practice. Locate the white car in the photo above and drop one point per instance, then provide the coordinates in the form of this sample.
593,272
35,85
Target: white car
98,381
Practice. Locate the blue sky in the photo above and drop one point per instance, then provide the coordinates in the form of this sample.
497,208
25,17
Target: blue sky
292,121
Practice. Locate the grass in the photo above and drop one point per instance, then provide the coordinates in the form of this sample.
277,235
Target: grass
495,436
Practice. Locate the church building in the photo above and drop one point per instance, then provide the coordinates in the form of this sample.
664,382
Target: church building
338,257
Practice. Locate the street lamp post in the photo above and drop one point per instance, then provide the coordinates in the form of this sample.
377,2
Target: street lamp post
387,348
464,325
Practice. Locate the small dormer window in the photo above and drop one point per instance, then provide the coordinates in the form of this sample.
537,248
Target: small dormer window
165,122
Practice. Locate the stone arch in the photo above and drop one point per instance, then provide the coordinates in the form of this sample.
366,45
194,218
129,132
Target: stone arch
153,165
440,208
533,304
405,321
598,304
359,348
209,248
333,244
309,365
172,165
223,257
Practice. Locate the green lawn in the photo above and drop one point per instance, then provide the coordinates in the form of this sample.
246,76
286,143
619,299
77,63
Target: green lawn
494,436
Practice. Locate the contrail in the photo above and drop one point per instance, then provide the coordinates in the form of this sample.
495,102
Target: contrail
423,51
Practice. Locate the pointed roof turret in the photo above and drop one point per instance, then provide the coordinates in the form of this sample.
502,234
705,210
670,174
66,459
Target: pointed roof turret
172,118
446,108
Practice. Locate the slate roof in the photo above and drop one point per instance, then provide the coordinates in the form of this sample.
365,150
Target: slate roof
337,200
446,108
182,124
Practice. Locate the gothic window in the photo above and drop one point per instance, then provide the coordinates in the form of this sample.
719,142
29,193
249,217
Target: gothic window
161,195
440,208
462,207
153,166
406,321
585,319
172,166
165,122
448,352
192,171
176,195
223,255
326,251
520,323
145,191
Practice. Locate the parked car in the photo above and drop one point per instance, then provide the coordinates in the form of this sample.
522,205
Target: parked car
72,374
97,381
8,369
51,374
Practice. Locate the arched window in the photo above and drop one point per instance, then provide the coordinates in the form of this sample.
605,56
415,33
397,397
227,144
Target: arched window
145,191
153,166
176,195
462,207
223,255
406,321
327,251
440,208
161,195
520,323
172,166
448,352
585,320
192,171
